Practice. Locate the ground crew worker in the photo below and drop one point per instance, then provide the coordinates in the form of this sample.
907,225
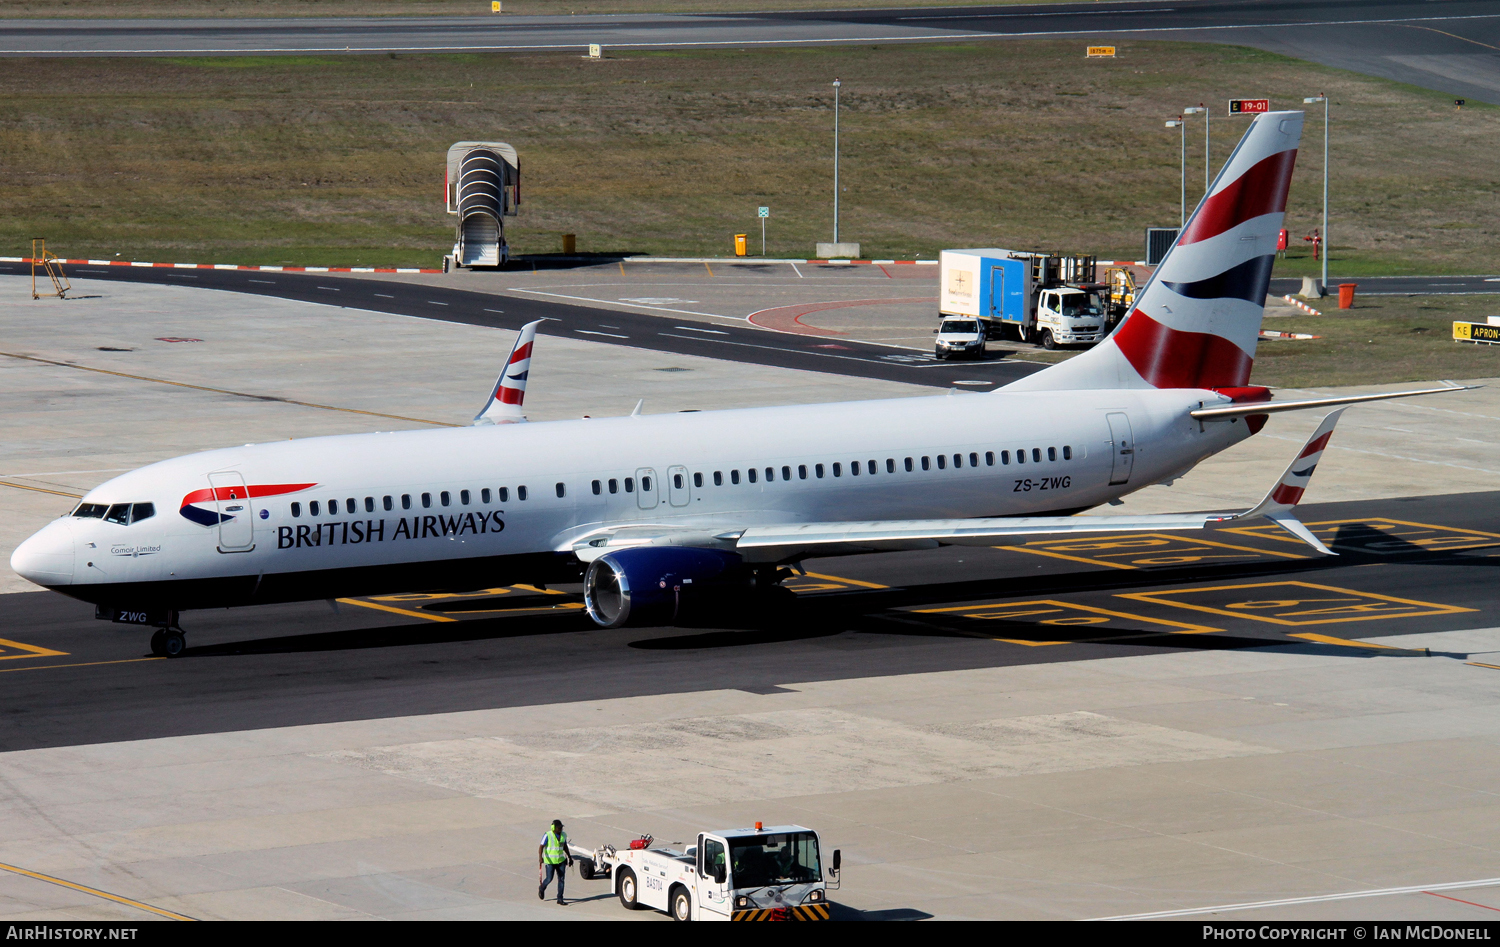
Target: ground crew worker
553,857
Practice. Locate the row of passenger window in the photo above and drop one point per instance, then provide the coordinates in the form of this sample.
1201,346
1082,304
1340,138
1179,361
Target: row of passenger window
351,505
857,467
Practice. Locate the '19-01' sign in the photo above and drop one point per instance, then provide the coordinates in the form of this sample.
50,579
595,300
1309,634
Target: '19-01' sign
1249,106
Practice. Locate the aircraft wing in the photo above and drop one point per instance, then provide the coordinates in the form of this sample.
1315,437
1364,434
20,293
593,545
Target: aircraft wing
792,541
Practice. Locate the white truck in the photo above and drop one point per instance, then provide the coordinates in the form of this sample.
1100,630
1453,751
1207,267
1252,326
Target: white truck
1044,298
764,873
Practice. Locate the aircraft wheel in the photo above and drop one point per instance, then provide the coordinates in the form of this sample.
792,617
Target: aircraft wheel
1048,342
159,643
173,644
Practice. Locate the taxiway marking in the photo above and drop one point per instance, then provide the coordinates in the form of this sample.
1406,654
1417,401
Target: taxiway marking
85,664
1144,550
1349,643
118,899
1311,899
1399,535
859,582
1297,606
222,391
27,651
393,610
1082,616
22,486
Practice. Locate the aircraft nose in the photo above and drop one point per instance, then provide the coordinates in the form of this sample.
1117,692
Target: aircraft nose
47,557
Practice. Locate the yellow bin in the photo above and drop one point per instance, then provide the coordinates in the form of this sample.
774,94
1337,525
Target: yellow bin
741,245
570,244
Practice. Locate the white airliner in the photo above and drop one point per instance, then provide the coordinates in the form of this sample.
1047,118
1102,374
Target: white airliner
647,508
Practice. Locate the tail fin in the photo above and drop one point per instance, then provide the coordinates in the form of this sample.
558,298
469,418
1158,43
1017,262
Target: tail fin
1196,323
504,406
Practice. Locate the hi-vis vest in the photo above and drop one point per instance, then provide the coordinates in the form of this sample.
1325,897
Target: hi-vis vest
556,851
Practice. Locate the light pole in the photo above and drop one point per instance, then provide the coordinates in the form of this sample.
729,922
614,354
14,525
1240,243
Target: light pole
1202,110
1181,171
835,160
1313,100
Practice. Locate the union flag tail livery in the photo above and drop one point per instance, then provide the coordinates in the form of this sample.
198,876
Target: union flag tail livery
504,406
1196,323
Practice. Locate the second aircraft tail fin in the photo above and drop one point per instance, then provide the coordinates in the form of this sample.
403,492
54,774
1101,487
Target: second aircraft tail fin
504,405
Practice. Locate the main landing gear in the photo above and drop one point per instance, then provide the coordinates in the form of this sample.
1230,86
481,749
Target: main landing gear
169,640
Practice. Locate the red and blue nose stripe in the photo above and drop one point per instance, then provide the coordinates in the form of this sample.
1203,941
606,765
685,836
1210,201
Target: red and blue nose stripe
221,494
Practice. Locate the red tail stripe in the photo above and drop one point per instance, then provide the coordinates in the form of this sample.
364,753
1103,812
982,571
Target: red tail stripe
509,395
1287,494
521,354
1261,190
1170,358
1315,446
255,490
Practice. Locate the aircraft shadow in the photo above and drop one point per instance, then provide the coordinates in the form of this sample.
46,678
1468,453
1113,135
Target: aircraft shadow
396,636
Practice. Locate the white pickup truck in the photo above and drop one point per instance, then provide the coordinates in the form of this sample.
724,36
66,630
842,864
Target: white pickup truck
761,873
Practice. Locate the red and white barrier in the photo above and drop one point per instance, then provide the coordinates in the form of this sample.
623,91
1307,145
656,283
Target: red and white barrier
230,266
1304,307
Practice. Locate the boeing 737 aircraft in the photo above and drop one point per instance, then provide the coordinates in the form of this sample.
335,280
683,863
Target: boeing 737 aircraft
646,509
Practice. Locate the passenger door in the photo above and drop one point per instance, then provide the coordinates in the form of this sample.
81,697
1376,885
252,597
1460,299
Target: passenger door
1123,448
236,516
646,496
678,491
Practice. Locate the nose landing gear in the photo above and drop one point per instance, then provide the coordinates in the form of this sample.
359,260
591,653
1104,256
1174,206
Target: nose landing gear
168,641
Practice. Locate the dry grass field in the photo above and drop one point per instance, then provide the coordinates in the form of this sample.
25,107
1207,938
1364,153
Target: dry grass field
339,160
1382,339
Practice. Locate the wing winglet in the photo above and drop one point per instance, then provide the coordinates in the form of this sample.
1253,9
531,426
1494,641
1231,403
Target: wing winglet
1279,504
504,405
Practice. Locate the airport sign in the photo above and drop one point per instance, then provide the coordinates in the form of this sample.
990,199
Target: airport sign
1249,106
764,212
1100,52
1477,332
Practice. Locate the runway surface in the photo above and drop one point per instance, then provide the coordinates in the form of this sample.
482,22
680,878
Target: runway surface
1453,47
617,327
1406,566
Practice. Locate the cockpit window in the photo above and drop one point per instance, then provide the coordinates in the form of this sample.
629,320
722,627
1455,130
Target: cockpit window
121,513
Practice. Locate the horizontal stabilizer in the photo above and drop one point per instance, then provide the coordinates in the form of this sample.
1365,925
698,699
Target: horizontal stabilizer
1274,407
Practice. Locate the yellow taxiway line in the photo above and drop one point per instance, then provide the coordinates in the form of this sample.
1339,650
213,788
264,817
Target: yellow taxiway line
159,912
395,611
85,664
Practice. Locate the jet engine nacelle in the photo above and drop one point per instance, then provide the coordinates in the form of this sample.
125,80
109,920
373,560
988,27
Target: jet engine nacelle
647,584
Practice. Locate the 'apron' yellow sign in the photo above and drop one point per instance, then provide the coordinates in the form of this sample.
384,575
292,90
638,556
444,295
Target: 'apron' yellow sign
1476,332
